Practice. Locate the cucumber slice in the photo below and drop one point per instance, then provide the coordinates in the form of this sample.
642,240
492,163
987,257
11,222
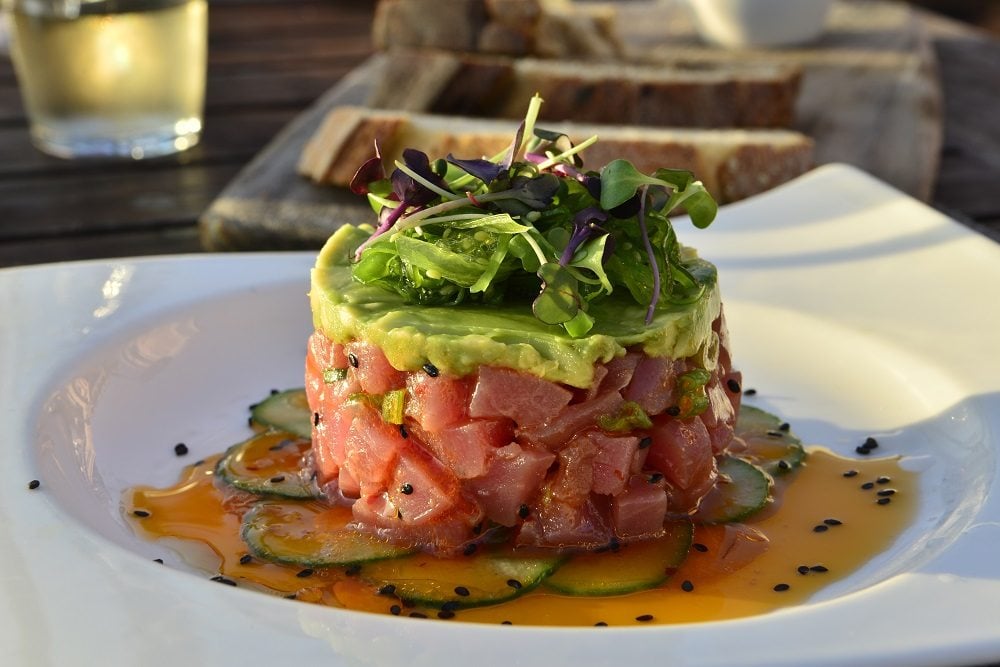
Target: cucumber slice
311,534
262,463
286,411
742,490
463,581
633,567
775,450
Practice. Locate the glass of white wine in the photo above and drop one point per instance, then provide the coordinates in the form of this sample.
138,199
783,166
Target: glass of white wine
113,78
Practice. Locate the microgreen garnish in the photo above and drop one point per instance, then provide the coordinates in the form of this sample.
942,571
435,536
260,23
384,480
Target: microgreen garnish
540,230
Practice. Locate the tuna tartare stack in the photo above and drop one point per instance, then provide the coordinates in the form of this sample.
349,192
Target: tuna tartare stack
520,350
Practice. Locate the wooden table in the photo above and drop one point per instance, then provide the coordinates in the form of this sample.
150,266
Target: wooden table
269,59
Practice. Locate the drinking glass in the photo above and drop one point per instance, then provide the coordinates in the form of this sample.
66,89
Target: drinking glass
119,78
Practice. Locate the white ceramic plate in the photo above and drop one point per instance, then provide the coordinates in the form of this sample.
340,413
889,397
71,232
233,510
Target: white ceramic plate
854,310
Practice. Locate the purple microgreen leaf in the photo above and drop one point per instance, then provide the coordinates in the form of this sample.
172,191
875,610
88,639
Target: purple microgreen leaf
411,191
649,254
584,227
369,172
484,170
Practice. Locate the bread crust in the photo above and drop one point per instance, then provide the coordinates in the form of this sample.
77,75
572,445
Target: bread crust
732,163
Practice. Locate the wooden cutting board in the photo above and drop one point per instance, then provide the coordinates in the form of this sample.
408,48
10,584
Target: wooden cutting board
870,97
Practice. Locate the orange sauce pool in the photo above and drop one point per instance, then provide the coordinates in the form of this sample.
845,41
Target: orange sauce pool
829,523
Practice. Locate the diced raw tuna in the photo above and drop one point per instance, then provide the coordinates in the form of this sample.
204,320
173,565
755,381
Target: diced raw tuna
371,449
374,372
528,400
640,509
468,448
513,478
652,384
620,371
437,402
572,420
421,488
682,451
613,462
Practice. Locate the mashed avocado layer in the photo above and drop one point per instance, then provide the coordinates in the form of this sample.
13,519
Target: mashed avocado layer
459,339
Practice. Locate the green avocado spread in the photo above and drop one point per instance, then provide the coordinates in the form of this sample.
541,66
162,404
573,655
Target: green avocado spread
459,339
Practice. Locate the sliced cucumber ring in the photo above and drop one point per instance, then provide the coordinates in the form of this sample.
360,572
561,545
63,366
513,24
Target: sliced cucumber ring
260,464
285,411
462,581
311,534
775,449
632,567
743,490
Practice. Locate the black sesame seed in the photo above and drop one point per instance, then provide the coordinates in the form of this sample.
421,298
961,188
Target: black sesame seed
388,589
698,546
655,477
870,443
523,511
352,359
833,522
506,623
883,480
431,369
821,528
868,486
781,587
644,618
302,574
884,501
851,473
277,479
316,419
274,391
353,571
600,624
462,591
733,385
886,492
470,548
403,431
223,580
445,615
158,560
784,465
142,514
417,614
180,449
614,545
861,449
687,586
450,605
515,584
291,596
250,421
395,610
750,392
673,411
406,489
785,426
645,442
819,568
245,559
802,569
34,484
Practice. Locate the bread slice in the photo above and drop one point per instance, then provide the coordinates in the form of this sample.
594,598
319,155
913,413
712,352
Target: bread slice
753,95
732,163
